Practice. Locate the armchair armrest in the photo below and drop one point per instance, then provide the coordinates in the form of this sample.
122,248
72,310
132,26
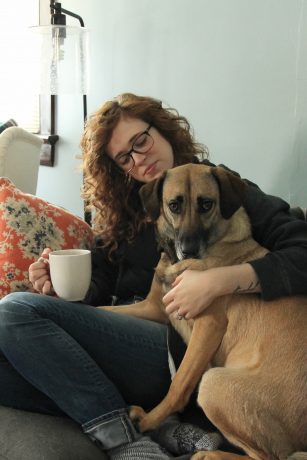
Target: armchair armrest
20,158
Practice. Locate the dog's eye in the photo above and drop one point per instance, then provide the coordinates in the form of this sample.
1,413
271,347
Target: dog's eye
204,205
175,207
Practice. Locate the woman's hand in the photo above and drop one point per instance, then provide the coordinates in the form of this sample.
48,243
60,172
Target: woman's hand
39,274
193,291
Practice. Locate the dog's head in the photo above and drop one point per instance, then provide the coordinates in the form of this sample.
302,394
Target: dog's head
192,206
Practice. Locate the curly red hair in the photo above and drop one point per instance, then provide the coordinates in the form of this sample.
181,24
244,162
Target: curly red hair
113,196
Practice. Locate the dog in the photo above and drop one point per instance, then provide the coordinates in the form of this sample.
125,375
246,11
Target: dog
248,356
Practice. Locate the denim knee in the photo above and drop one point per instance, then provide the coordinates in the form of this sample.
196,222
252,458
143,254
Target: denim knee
12,309
18,297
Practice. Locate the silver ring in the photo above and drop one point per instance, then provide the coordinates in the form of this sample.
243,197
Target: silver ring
180,317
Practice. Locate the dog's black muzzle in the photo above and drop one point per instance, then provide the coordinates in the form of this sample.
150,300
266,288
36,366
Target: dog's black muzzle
190,246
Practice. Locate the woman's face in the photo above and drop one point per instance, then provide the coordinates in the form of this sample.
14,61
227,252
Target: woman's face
147,166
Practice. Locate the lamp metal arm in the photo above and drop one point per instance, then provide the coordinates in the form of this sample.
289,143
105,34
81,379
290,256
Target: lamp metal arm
58,9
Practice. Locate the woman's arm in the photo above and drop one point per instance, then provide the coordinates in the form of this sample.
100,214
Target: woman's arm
193,291
283,271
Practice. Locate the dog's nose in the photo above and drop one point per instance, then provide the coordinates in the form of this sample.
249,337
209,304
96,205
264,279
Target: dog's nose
190,247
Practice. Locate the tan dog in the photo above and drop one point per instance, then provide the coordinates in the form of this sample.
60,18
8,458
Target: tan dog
248,355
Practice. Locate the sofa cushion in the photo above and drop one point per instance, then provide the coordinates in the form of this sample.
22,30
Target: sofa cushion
29,436
29,224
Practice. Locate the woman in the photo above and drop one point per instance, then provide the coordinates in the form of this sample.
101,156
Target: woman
92,364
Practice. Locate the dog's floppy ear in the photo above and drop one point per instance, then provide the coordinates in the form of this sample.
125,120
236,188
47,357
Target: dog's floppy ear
151,194
232,190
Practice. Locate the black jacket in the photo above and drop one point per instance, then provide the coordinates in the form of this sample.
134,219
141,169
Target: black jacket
281,272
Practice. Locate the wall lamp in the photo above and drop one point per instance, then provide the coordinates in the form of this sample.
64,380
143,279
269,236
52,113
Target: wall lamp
63,68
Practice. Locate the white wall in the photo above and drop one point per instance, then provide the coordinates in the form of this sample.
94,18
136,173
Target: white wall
236,68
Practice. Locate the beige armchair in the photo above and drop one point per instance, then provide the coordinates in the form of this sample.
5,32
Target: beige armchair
20,157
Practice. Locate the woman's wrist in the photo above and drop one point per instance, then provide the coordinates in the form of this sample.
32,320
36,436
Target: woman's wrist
237,279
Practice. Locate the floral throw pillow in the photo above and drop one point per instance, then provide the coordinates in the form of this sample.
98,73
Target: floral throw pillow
29,224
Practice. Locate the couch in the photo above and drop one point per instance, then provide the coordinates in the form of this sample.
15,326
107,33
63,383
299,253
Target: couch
27,225
30,436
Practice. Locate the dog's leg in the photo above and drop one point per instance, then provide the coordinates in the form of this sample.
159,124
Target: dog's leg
150,308
206,337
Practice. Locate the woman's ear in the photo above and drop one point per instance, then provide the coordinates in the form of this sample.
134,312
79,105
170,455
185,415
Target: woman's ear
151,197
232,191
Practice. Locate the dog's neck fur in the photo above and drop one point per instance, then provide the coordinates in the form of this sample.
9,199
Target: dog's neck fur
168,247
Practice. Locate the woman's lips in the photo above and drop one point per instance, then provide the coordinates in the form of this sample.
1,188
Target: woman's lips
151,169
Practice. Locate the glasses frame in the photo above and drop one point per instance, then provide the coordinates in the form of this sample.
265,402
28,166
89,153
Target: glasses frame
135,150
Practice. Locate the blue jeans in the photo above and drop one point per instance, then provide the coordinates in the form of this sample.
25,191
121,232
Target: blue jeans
90,364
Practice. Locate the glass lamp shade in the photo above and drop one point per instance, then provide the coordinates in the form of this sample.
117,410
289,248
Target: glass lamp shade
62,57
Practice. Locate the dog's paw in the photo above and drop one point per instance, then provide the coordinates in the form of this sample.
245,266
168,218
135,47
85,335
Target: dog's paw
143,420
212,455
136,413
199,455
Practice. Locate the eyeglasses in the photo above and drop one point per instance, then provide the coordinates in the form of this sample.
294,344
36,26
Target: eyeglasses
142,144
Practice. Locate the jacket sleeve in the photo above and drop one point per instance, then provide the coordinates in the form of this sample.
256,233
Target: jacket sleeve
283,271
104,276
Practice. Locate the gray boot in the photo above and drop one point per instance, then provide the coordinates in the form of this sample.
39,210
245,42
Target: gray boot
184,438
142,449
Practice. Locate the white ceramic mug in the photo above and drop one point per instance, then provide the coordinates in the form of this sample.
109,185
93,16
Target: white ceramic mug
70,272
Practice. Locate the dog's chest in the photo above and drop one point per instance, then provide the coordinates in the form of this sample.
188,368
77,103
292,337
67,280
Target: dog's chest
166,274
183,327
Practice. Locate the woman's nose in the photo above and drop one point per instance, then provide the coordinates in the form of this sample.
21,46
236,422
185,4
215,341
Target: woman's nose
138,158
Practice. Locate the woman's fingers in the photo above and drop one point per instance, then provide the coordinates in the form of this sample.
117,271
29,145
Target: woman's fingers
39,273
47,288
